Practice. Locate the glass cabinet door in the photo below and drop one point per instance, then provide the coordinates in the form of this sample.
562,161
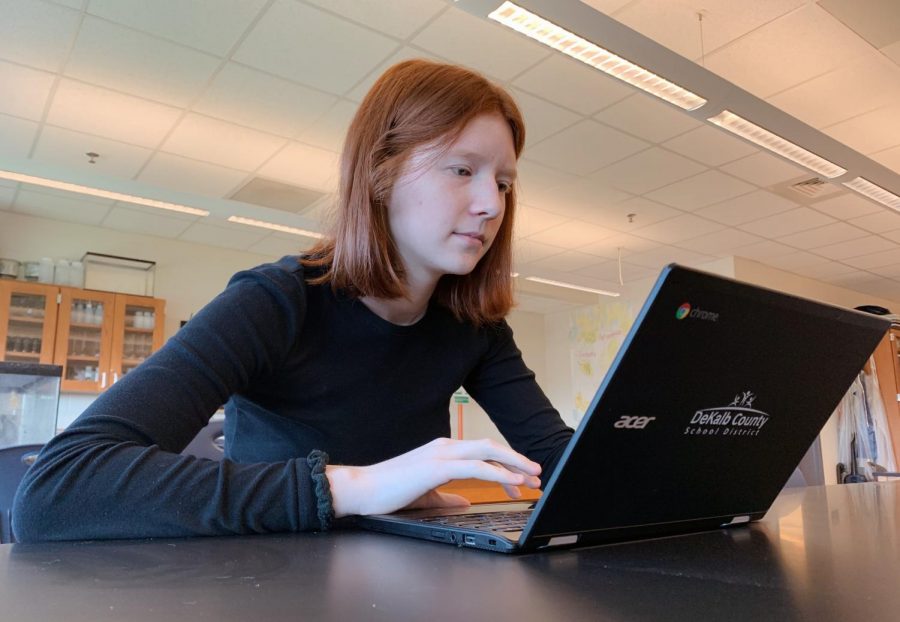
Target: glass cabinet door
83,339
27,322
138,332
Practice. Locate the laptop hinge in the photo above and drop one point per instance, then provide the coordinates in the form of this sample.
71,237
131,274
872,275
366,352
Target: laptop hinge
737,520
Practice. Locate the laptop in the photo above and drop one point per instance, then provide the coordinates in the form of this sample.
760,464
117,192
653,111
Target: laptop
715,395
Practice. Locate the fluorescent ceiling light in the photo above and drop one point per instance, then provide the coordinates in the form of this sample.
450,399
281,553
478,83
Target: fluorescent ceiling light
275,227
558,38
764,138
874,192
103,194
602,292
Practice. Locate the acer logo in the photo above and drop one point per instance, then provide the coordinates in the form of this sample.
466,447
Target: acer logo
633,423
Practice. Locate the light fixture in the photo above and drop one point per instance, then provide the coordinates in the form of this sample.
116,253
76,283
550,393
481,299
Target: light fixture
558,38
740,126
602,292
275,227
874,192
97,192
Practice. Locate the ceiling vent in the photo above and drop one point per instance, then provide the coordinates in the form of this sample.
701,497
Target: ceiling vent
278,195
813,188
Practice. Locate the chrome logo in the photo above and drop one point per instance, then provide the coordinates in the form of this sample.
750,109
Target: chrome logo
683,311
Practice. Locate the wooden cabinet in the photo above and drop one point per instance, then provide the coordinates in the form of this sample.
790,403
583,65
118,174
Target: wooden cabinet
27,322
887,364
97,337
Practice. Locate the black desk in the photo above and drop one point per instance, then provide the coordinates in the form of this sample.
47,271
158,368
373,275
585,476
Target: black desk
823,553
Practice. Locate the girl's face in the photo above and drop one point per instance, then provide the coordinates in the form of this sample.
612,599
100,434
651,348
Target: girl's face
446,208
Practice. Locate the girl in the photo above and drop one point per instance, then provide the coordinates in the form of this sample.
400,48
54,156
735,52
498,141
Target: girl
336,368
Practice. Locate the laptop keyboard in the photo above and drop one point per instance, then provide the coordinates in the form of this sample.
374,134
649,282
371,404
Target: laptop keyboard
488,521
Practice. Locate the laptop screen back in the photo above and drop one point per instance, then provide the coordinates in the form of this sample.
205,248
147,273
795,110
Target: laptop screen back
714,397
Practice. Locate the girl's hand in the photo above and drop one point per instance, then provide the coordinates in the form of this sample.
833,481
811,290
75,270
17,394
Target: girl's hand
409,480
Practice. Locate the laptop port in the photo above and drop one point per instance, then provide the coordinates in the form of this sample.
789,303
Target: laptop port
470,540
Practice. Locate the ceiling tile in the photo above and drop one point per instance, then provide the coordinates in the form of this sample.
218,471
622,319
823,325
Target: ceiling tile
528,251
647,117
230,237
171,171
536,183
132,62
587,199
572,84
678,229
722,242
648,170
883,288
846,206
569,261
795,260
868,82
125,118
542,119
500,52
405,53
211,26
710,145
823,236
67,148
290,39
891,271
621,243
331,129
892,235
571,235
869,132
218,142
530,220
25,91
793,221
813,40
889,158
398,18
61,206
609,271
255,99
659,257
746,208
606,6
701,190
763,251
825,271
585,147
37,34
304,166
146,221
277,247
875,260
675,24
878,222
18,136
763,169
855,248
892,51
630,215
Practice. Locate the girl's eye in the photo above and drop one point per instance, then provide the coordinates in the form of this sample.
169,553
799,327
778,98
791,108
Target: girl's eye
504,187
462,171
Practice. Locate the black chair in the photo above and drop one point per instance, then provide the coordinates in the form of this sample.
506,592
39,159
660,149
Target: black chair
209,442
14,461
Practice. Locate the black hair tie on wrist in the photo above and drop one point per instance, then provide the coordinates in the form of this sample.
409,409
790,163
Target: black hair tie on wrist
317,460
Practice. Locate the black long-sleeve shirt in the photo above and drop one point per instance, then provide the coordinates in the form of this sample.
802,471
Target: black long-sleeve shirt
298,368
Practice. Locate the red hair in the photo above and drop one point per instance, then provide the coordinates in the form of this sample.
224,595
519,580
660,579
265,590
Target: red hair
413,103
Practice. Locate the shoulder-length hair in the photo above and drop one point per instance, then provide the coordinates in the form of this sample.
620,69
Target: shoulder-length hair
413,103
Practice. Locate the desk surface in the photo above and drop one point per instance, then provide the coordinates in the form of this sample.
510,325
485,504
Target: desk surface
821,553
